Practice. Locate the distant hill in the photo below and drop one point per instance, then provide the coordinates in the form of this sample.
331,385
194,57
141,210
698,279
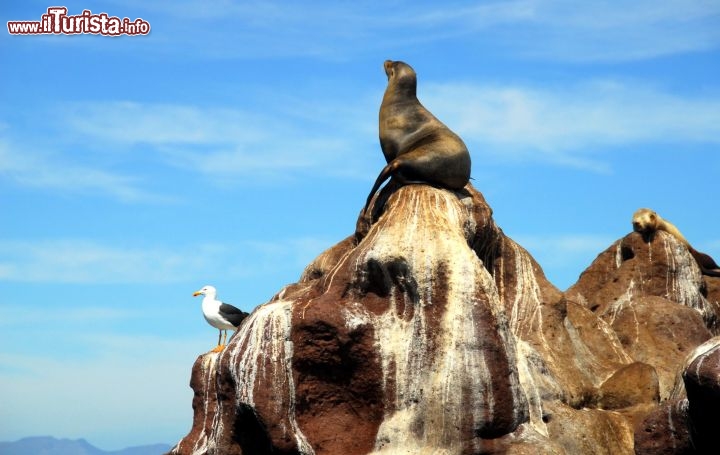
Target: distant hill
46,445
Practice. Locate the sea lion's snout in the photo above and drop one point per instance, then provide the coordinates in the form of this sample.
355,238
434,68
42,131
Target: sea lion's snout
388,67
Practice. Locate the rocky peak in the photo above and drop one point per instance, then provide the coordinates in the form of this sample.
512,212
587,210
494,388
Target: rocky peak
430,331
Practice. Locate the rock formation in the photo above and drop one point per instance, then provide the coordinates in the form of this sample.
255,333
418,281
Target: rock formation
429,331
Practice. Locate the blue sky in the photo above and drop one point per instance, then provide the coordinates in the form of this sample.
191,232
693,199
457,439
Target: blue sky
233,144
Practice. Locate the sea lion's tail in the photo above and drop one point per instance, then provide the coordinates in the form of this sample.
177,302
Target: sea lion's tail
385,174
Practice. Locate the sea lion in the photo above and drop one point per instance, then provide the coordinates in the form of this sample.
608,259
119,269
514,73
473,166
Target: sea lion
647,222
418,147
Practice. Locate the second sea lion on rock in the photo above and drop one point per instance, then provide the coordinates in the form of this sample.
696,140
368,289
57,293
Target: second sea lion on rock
418,147
646,222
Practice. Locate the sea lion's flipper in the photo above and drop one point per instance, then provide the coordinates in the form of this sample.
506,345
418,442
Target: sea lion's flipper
385,174
707,264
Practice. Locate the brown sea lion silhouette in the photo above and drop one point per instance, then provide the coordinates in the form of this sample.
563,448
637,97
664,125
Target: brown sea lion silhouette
647,222
418,147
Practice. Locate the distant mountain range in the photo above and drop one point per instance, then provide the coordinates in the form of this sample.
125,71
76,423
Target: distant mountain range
46,445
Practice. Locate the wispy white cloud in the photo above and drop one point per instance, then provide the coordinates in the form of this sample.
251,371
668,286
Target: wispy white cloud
468,16
135,123
29,316
574,125
94,139
89,262
225,143
73,261
546,29
25,166
556,30
569,126
618,31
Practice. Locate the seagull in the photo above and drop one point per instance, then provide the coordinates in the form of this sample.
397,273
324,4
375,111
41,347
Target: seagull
220,315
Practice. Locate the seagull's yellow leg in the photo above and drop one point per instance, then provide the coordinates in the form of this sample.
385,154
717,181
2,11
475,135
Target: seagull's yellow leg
219,346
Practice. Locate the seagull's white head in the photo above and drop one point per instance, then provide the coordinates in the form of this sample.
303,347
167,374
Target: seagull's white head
208,291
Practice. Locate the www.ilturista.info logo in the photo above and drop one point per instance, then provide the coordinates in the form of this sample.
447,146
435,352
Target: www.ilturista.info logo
57,22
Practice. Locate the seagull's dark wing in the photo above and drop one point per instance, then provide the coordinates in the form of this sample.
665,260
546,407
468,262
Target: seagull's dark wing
232,314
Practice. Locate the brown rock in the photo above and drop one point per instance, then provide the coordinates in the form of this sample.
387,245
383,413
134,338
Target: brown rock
632,268
652,295
207,398
430,331
577,347
394,339
327,260
631,385
589,431
687,426
339,380
660,333
665,431
712,293
702,384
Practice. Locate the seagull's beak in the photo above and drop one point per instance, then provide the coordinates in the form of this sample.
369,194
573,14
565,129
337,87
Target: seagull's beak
197,293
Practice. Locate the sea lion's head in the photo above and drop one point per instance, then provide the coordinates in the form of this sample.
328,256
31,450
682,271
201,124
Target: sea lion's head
401,75
644,221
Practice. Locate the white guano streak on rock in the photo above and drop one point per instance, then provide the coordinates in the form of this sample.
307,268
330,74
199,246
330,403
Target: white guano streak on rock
526,315
530,386
328,280
217,425
204,442
614,341
621,302
429,371
701,353
526,306
261,357
683,276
